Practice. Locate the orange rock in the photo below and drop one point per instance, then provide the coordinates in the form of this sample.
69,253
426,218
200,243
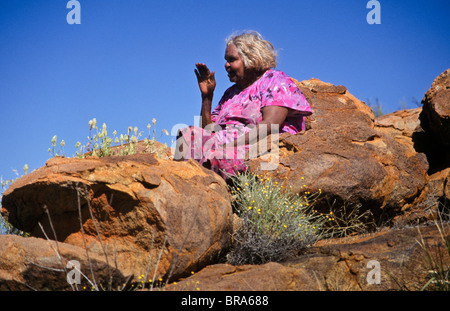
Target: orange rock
148,213
347,156
335,264
37,264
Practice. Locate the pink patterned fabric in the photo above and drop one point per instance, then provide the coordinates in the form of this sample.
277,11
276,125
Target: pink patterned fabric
237,113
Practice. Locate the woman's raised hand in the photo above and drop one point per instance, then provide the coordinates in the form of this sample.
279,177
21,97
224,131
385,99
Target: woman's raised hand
206,80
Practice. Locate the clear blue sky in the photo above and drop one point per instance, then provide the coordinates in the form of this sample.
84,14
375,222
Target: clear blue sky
130,61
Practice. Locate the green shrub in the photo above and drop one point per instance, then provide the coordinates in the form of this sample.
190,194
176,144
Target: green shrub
275,223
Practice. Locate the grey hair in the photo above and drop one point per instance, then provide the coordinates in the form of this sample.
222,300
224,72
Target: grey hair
257,53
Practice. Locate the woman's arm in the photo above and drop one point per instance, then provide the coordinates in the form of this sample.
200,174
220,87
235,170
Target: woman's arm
271,115
207,85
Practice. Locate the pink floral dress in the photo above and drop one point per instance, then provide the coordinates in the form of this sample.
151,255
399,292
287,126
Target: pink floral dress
237,113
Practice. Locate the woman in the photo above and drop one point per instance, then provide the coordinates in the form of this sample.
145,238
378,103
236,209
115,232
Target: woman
261,98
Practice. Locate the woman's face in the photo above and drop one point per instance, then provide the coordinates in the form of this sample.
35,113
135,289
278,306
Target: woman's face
234,65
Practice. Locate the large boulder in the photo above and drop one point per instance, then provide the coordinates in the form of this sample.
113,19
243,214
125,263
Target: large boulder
343,154
432,137
435,115
142,213
37,264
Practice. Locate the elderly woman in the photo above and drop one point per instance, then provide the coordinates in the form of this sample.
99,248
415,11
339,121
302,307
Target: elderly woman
261,101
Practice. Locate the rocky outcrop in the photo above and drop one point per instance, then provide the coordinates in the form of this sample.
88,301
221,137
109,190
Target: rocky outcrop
337,264
348,157
141,212
125,217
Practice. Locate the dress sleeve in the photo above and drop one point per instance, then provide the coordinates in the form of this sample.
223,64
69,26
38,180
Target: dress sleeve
217,109
280,90
215,114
